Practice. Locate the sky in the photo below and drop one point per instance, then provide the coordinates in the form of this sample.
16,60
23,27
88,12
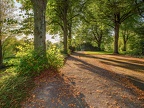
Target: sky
17,4
48,37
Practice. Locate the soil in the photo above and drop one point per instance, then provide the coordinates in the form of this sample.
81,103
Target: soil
91,81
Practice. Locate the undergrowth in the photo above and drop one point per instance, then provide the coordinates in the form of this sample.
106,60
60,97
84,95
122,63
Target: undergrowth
17,81
13,90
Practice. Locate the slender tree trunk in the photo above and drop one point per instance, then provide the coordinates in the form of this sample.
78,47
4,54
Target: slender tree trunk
70,37
1,53
1,23
124,48
99,45
125,39
39,8
65,37
1,57
116,38
70,33
65,22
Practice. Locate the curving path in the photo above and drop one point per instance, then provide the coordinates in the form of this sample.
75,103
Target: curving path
91,81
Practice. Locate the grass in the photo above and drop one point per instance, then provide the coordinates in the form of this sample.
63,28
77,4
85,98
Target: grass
104,52
13,89
17,80
97,52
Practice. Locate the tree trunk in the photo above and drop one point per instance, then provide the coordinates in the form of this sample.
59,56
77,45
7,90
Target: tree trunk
116,38
70,33
65,9
70,36
39,8
65,37
1,57
125,39
124,48
99,45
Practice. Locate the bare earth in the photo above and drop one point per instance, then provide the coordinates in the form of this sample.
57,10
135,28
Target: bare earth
91,81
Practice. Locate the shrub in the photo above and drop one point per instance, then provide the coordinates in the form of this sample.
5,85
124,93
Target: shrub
55,58
31,64
134,52
17,81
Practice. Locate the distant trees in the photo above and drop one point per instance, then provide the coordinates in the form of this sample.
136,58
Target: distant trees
127,31
62,14
94,25
80,21
118,11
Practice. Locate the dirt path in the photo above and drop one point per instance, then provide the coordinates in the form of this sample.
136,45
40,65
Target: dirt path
90,81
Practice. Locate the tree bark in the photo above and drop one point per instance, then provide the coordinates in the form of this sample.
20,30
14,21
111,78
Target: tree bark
1,57
116,38
39,8
1,53
116,30
98,38
125,39
124,48
99,45
65,37
70,36
65,22
70,33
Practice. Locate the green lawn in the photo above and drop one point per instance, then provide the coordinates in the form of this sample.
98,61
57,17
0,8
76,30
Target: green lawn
97,52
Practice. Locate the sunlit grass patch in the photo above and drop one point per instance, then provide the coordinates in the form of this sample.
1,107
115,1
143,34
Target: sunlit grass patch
97,52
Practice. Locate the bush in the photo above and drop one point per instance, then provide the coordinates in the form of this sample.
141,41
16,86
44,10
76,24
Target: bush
17,81
32,64
55,58
134,52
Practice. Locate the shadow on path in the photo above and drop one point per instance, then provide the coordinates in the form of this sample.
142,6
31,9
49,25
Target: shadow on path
112,61
110,75
95,78
55,92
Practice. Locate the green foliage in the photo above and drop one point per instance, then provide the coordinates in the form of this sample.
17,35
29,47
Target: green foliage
55,58
31,64
9,46
12,61
16,81
136,48
13,90
134,52
25,47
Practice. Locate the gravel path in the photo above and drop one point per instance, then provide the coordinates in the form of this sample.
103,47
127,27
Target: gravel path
88,81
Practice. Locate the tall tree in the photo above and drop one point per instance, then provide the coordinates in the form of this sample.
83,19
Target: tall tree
127,30
39,8
118,11
94,26
98,33
63,14
58,19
